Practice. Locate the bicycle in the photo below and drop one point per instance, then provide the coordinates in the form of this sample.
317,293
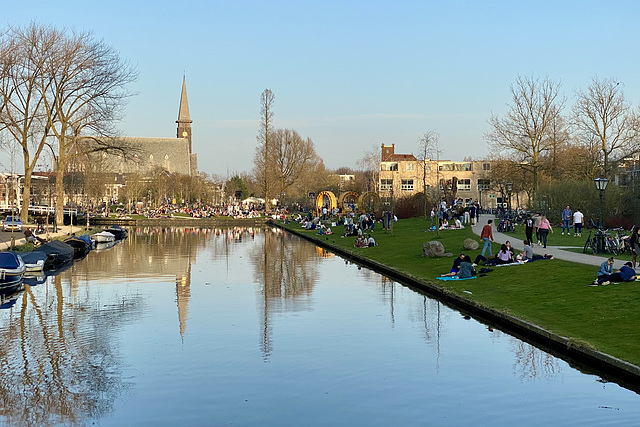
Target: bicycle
591,244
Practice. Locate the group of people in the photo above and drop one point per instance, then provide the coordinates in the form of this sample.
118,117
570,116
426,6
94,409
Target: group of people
606,275
455,215
365,241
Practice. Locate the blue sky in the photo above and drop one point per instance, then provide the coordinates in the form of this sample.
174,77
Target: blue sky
350,75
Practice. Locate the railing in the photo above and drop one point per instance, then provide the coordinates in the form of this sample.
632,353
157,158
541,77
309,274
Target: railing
42,210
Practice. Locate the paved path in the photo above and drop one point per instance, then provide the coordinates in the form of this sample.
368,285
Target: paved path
556,251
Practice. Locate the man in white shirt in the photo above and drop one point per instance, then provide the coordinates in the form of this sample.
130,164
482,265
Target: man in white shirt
577,223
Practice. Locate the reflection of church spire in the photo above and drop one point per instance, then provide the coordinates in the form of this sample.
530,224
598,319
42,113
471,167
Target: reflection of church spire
183,292
184,120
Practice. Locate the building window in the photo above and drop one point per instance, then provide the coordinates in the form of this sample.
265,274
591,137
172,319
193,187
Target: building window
388,166
446,167
486,166
484,185
407,185
464,185
386,184
464,167
410,166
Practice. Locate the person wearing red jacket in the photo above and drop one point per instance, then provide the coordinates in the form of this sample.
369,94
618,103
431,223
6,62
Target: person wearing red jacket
487,237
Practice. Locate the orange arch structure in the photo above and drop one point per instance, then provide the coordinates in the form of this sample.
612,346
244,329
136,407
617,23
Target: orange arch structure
326,198
347,198
369,202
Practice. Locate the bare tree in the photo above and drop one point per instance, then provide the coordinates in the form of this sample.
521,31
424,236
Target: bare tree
23,78
370,164
525,132
601,114
263,166
292,157
86,97
427,144
68,86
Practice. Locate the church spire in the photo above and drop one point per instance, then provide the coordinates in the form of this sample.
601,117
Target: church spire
184,120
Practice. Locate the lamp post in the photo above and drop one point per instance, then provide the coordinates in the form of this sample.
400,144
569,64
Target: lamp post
509,188
601,185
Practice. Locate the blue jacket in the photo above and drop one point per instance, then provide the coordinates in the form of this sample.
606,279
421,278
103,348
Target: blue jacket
605,269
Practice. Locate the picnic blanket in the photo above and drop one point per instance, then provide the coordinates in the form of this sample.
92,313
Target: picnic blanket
454,278
505,265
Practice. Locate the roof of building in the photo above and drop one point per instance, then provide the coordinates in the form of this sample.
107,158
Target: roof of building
172,154
401,158
183,112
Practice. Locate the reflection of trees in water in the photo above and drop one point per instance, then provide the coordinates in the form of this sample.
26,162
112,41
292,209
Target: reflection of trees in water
58,361
531,363
287,272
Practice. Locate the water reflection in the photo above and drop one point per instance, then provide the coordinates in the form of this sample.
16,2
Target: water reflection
72,347
58,362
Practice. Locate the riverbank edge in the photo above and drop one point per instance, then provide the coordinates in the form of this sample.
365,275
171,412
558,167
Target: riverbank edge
622,371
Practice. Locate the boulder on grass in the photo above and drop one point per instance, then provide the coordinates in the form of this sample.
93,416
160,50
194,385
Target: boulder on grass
470,244
434,249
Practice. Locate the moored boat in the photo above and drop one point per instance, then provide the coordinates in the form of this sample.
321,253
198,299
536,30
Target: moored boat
35,260
12,269
80,246
103,237
117,231
58,254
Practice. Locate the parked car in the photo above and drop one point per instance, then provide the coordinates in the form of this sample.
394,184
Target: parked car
12,223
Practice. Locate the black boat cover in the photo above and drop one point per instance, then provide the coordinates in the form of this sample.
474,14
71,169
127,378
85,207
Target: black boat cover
33,257
59,252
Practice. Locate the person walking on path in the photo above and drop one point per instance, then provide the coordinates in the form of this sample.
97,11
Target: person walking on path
545,228
577,223
567,216
634,244
536,224
487,237
528,228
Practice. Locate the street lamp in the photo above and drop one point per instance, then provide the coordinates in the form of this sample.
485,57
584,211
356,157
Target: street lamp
509,188
601,185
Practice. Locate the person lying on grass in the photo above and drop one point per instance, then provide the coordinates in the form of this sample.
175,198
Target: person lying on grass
466,270
527,253
625,274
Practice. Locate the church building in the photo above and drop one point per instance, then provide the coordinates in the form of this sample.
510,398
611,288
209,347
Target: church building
174,155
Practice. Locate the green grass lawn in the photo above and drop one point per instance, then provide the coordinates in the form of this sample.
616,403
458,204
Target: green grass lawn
552,294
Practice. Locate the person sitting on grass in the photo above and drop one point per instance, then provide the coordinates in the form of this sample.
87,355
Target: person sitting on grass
625,274
455,268
504,255
371,241
361,242
466,270
606,268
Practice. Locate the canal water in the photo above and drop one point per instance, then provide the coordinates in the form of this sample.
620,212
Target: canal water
257,327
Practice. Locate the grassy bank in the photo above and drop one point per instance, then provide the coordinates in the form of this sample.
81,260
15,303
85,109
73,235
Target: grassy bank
552,294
